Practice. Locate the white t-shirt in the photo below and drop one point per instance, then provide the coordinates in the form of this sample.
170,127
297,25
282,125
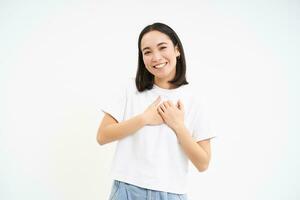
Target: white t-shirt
151,157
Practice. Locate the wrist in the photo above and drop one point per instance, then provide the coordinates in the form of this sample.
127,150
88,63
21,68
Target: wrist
179,127
143,119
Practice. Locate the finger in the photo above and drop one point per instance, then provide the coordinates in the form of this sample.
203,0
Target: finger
170,103
180,105
166,104
163,107
160,110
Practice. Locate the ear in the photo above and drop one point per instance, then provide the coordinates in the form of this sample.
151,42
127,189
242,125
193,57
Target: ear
177,51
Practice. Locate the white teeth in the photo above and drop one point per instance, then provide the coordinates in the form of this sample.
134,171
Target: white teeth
160,65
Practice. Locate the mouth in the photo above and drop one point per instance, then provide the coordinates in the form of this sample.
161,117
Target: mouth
161,65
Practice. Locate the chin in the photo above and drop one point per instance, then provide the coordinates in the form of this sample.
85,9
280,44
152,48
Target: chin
163,77
160,75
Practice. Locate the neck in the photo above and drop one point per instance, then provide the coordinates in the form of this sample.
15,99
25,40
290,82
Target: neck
163,84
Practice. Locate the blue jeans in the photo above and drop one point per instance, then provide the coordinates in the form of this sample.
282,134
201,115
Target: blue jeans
125,191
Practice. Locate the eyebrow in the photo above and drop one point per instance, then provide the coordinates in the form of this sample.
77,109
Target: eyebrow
157,45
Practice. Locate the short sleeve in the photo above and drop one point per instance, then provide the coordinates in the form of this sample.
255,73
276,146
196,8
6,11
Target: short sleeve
114,103
202,126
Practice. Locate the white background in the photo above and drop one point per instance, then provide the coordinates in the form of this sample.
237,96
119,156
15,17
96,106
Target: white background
58,59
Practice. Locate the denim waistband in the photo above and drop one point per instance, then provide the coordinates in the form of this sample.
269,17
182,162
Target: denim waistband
125,191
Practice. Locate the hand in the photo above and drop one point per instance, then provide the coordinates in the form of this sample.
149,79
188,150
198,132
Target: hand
151,115
173,115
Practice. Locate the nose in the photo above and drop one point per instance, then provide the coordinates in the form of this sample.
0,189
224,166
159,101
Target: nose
156,56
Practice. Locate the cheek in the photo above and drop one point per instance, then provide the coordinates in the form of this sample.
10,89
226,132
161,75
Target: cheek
146,61
172,57
170,54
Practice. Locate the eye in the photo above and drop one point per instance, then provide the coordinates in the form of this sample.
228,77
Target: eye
146,52
163,48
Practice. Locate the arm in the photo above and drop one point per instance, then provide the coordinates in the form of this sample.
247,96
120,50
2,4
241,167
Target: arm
110,130
198,152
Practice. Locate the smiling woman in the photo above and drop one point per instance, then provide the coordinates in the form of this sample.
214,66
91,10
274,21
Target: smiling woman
158,123
159,56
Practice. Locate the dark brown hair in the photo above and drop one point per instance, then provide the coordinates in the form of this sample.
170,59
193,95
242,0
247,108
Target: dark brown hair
144,79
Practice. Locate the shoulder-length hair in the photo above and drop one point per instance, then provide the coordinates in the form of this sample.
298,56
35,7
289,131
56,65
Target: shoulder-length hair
144,79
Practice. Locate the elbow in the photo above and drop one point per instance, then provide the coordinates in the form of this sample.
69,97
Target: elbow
101,142
100,139
203,166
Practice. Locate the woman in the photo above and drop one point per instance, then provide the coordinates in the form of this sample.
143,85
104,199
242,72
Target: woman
158,122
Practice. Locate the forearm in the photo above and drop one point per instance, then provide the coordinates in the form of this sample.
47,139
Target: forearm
120,130
192,149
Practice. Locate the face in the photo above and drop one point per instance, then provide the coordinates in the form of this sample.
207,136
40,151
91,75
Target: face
159,55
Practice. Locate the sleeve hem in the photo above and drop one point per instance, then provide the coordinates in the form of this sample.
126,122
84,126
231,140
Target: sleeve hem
198,139
113,115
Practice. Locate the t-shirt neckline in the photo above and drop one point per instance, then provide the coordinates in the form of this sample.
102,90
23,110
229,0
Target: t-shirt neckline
164,91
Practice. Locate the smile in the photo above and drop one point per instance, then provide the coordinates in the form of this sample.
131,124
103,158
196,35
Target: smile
159,65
